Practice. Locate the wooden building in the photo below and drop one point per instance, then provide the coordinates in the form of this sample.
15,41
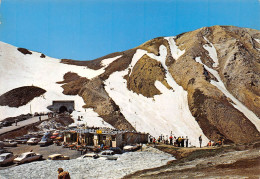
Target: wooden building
106,136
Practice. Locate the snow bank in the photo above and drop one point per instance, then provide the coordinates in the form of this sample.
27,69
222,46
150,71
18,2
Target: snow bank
90,118
212,52
236,103
258,41
127,163
107,61
176,52
159,115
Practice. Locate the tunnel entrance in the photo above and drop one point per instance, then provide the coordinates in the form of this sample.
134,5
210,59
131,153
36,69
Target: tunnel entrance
63,109
62,106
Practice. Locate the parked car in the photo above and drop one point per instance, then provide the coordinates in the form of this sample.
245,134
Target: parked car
10,144
7,123
1,125
2,144
116,150
58,157
33,141
45,141
108,155
91,155
6,158
4,151
21,141
131,148
27,157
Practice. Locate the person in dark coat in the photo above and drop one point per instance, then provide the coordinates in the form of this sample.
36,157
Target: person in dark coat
182,141
187,141
63,174
171,138
200,140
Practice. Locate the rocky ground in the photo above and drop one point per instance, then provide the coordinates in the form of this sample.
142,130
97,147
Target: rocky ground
228,161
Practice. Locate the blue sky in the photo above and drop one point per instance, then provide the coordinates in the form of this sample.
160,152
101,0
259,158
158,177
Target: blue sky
85,30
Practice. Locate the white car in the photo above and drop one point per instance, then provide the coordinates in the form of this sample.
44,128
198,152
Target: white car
6,158
90,155
33,140
27,157
58,157
107,155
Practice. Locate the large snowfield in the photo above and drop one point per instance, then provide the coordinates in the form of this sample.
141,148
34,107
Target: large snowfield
127,163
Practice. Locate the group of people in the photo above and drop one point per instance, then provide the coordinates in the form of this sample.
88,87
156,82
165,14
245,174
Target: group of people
218,143
181,141
172,140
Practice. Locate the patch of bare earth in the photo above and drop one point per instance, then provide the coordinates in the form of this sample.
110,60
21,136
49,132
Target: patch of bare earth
144,75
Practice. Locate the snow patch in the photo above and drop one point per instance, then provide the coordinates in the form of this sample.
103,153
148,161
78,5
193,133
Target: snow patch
176,52
258,41
236,103
90,118
212,52
107,61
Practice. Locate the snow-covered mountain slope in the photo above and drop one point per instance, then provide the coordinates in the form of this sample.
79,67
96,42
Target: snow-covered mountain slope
189,85
17,70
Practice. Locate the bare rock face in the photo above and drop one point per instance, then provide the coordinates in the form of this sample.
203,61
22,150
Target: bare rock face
240,63
73,83
96,97
20,96
120,64
152,46
143,77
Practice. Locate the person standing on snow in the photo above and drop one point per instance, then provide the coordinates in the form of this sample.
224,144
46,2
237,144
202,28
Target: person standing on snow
187,141
200,140
171,138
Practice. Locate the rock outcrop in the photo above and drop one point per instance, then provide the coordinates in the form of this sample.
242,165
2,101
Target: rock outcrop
20,96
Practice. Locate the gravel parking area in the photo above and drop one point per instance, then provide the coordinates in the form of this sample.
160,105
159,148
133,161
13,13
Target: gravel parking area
45,151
